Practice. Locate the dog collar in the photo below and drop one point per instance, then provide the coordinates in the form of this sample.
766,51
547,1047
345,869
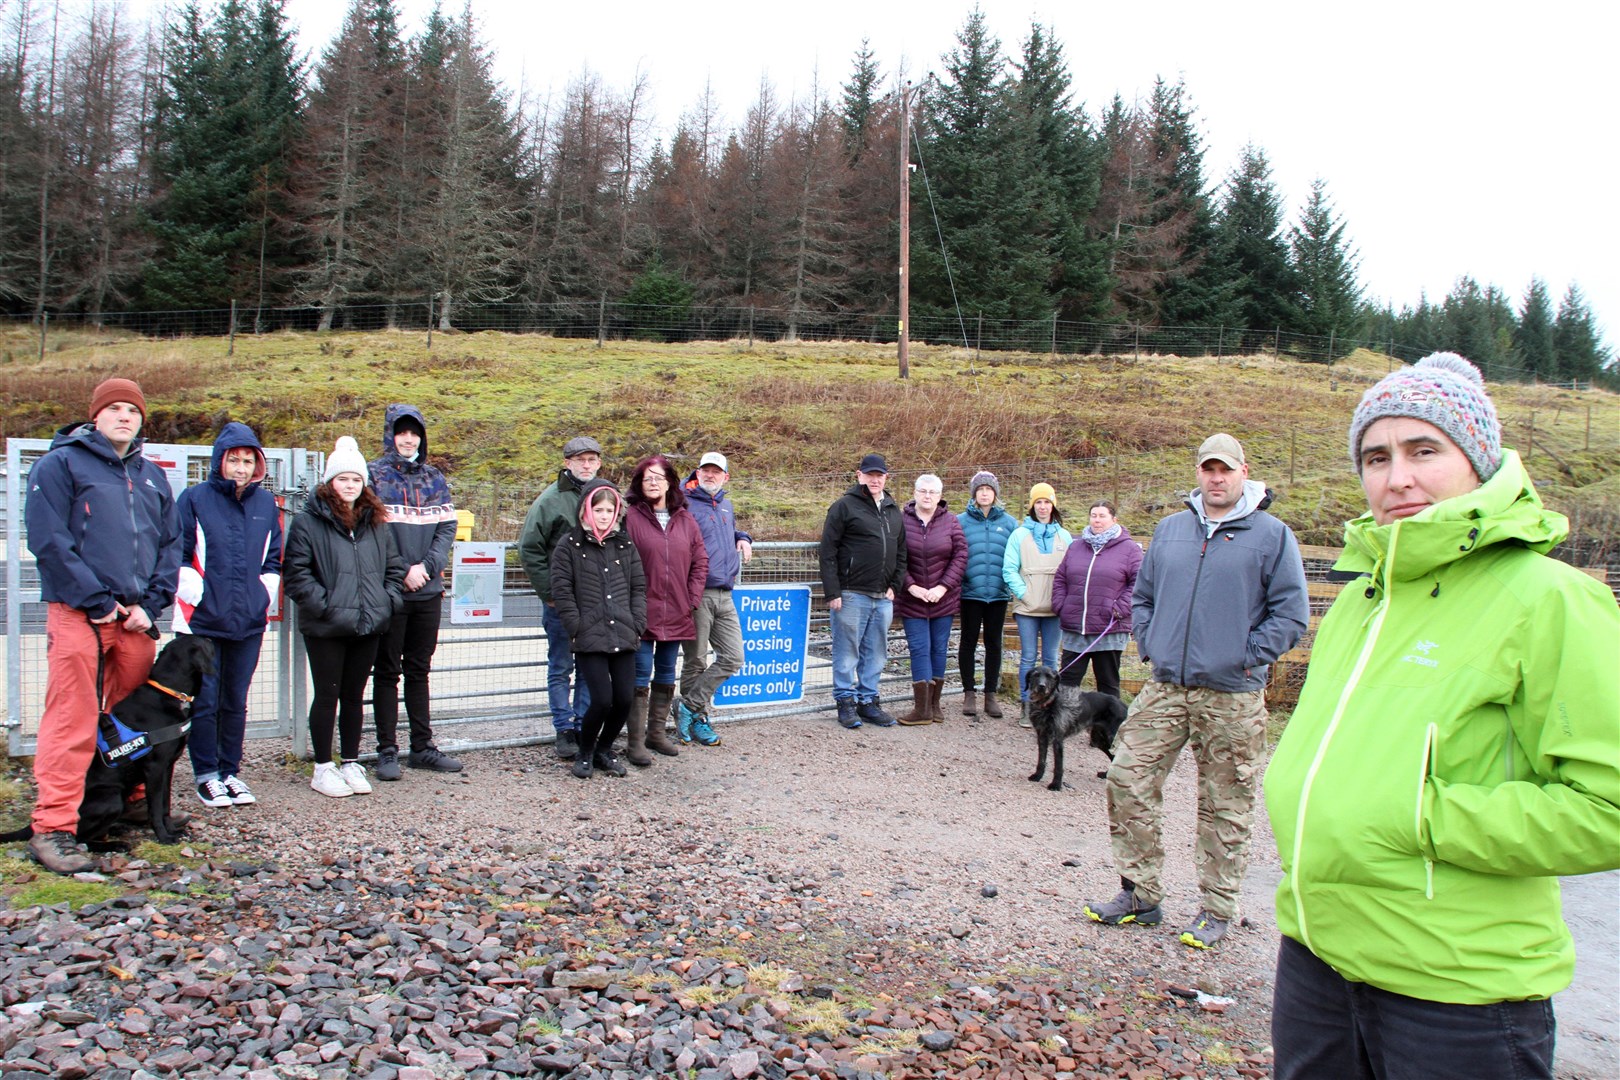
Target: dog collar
184,699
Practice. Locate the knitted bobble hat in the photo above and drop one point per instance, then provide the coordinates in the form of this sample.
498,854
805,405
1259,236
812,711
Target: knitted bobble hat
1442,389
1041,491
345,457
984,478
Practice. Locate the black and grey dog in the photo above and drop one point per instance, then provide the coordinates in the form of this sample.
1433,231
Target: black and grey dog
150,737
1058,711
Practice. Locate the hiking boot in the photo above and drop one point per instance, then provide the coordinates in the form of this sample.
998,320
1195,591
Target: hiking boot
704,732
582,767
214,794
1122,909
430,757
608,762
329,781
59,852
970,706
387,767
935,688
847,713
872,713
684,719
354,774
918,716
1204,931
992,707
567,745
241,794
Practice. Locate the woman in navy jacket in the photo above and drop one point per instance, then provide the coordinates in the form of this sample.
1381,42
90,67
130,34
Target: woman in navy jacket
230,572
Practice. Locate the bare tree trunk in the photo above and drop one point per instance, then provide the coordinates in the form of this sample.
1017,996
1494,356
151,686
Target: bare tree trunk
47,167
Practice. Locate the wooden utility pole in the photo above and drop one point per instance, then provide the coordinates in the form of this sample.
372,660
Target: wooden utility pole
905,232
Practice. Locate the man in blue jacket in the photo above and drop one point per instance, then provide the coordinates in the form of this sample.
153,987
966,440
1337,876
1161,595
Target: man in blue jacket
1220,596
422,518
717,624
102,527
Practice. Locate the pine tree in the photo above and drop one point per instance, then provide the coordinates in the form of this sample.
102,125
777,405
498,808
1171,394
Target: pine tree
810,167
1195,295
1326,266
1140,222
870,197
1533,336
859,102
1581,354
226,118
1250,252
1478,323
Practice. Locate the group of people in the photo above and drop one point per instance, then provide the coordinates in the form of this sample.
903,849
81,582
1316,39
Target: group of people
1453,751
928,566
630,587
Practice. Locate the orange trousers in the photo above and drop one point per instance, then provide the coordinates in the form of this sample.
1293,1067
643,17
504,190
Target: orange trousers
67,729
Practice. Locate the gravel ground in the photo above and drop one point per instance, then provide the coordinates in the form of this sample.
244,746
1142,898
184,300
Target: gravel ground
907,888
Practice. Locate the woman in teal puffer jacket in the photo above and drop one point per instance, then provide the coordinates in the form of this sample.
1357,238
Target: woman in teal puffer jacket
987,528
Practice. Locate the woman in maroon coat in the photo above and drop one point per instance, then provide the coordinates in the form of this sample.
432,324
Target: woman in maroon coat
1092,597
936,559
670,543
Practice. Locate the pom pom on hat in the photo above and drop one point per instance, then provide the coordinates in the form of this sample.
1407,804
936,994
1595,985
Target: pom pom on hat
1442,389
345,457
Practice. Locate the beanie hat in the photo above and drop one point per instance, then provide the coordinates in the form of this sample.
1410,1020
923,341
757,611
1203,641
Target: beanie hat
112,390
345,457
981,479
1041,491
1442,389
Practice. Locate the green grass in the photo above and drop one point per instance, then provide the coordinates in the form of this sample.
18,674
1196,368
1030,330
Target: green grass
25,885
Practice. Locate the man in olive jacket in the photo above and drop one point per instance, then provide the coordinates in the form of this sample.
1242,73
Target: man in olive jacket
553,514
863,562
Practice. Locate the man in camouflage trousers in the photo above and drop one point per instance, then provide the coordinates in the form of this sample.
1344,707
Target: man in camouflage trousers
1220,596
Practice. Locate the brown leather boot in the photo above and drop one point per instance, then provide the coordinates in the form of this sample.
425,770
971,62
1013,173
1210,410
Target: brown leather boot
969,703
992,707
934,689
658,720
919,715
636,751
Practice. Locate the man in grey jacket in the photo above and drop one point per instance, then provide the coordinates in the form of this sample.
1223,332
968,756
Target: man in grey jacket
1220,596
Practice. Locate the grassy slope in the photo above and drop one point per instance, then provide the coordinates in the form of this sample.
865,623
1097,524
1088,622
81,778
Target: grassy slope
796,417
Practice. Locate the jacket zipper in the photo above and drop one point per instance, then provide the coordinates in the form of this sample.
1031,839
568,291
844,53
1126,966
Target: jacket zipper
1327,737
1431,737
1085,597
1192,602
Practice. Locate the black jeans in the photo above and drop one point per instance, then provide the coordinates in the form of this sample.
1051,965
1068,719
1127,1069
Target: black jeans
992,616
611,680
406,648
1323,1025
1104,665
338,669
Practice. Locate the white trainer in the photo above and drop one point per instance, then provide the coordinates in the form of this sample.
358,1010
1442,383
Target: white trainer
329,781
354,774
214,793
240,793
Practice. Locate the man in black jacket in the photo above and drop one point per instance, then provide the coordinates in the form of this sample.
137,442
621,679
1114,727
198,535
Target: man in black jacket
863,561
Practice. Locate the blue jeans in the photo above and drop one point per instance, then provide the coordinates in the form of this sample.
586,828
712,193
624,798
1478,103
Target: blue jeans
929,642
1044,631
860,632
655,662
1324,1025
219,713
559,669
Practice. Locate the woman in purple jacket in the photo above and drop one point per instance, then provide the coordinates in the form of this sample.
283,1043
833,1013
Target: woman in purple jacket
936,559
670,543
1092,596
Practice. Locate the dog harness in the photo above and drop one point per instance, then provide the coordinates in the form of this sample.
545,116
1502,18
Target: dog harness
116,741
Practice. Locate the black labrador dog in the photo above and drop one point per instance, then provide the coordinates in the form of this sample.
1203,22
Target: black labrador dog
1058,711
162,703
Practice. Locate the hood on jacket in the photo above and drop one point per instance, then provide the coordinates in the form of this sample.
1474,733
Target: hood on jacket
1505,509
586,493
996,510
694,489
83,433
1256,496
233,436
391,418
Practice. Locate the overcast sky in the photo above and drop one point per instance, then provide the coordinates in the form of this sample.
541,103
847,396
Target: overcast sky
1455,138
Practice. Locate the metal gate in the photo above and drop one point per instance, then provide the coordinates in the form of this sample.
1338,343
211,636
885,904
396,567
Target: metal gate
278,688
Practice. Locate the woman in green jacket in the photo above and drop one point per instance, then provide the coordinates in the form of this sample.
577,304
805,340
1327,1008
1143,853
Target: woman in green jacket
1453,752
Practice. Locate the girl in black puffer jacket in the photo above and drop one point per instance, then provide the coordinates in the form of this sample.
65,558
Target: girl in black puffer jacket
346,577
600,591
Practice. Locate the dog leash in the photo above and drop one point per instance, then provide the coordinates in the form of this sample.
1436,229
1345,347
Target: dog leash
1111,621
